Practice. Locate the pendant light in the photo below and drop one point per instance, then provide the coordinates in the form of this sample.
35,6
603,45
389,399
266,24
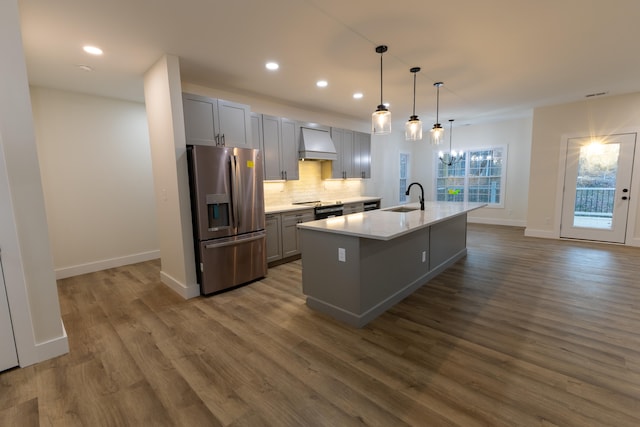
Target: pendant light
381,118
437,132
413,127
452,157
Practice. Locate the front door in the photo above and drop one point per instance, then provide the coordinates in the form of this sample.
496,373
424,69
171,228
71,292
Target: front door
597,187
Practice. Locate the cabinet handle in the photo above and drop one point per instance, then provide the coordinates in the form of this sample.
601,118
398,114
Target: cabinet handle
224,142
285,175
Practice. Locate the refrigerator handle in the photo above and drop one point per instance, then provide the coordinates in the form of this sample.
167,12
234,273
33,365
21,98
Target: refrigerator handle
235,242
235,189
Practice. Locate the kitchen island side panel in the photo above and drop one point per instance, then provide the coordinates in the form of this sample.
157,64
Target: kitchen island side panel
326,279
448,239
389,267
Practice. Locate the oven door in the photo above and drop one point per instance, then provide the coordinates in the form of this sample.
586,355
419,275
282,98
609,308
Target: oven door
328,212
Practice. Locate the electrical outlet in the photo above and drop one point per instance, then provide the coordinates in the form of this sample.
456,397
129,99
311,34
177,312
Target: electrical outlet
342,255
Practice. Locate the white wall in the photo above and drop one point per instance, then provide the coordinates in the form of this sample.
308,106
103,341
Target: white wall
515,134
597,116
385,167
95,163
163,98
26,255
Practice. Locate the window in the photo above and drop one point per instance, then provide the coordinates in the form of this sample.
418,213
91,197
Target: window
478,177
404,176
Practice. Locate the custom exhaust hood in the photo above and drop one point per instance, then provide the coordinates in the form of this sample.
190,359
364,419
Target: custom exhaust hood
316,144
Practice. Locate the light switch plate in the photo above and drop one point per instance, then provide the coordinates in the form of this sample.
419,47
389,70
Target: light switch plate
342,255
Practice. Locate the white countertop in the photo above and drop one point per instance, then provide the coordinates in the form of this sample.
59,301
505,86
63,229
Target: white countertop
383,224
289,208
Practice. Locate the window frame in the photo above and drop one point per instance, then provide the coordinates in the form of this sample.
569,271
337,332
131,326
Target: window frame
503,175
406,157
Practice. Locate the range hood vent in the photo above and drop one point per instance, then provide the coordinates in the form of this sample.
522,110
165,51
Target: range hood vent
316,144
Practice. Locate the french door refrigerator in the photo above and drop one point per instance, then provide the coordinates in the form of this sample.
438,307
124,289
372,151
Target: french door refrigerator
227,205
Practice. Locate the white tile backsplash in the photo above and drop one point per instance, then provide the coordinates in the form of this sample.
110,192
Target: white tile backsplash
310,187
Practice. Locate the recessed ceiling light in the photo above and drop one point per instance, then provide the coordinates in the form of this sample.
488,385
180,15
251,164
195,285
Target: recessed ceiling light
358,95
322,83
272,66
84,67
92,50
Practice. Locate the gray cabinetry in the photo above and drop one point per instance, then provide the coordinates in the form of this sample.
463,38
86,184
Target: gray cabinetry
283,240
354,155
362,156
350,208
273,226
343,167
211,121
290,239
279,148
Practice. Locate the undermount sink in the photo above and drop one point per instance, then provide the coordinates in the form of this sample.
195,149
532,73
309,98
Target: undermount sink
402,209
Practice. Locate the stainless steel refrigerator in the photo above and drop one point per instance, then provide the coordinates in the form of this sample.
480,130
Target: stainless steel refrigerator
227,205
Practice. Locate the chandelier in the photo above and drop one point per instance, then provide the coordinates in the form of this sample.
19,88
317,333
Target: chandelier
452,157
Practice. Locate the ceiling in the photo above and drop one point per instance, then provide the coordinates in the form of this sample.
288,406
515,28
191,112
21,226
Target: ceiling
497,58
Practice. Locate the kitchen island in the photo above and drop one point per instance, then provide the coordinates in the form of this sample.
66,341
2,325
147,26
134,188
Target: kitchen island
355,267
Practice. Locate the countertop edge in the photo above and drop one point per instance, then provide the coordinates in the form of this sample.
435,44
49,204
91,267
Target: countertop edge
310,225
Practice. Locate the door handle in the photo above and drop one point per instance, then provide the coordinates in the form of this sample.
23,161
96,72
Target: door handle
235,190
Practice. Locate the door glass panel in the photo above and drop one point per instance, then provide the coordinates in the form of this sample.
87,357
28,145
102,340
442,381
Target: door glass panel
596,185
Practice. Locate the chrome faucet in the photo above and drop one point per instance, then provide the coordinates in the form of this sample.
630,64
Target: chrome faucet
421,197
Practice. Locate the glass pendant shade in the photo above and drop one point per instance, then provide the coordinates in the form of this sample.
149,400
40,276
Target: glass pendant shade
413,129
381,121
381,118
437,133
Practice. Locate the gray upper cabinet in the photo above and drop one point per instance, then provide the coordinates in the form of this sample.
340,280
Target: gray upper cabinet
354,155
199,113
343,166
362,156
211,121
280,151
256,131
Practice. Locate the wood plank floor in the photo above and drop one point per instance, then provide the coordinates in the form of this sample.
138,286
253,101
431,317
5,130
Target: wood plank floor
522,332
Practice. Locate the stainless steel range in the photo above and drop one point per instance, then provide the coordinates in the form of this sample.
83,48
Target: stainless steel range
324,210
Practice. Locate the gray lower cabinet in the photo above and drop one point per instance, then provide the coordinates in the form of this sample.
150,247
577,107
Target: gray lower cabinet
211,121
290,238
273,225
350,208
283,239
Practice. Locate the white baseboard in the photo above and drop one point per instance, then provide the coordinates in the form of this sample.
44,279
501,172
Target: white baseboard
635,241
52,348
92,267
497,221
185,291
544,234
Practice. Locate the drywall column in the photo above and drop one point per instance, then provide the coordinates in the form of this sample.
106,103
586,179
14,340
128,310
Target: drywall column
163,99
26,254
